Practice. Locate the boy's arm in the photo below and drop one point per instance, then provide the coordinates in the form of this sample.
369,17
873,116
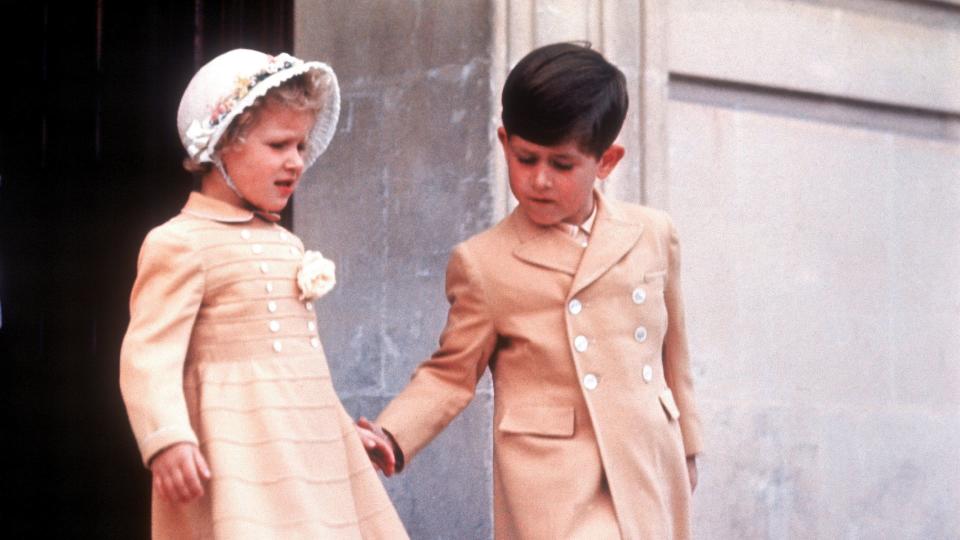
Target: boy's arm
445,383
163,306
676,357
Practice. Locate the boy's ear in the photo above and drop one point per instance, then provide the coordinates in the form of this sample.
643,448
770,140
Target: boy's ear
609,159
502,135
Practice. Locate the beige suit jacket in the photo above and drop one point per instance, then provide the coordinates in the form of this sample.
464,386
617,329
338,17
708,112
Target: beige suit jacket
593,395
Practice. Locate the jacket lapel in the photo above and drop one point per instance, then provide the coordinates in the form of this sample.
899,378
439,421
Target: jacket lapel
613,235
546,247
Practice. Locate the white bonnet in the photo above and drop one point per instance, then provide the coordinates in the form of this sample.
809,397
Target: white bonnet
231,82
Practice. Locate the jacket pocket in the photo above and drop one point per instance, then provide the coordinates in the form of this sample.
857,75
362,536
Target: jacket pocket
669,405
536,420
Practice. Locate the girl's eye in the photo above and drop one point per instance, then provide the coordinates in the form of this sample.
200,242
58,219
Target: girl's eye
276,145
527,160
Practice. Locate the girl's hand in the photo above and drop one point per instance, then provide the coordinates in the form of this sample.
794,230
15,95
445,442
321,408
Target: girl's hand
179,472
378,446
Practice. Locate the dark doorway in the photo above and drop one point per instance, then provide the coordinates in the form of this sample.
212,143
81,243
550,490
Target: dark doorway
89,162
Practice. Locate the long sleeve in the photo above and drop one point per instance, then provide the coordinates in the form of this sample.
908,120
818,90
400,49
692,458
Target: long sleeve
676,355
445,383
163,307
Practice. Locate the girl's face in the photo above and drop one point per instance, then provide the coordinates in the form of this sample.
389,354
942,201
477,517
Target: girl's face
266,165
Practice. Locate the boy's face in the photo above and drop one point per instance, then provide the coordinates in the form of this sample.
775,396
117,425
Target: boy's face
554,184
266,165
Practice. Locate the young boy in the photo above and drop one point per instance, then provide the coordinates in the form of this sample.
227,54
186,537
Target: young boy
573,302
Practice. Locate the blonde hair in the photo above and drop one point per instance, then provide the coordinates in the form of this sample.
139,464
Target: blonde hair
305,92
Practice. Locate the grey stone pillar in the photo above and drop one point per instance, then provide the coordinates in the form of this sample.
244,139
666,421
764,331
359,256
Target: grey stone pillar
405,179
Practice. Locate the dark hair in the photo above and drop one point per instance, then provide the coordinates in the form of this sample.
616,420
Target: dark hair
563,92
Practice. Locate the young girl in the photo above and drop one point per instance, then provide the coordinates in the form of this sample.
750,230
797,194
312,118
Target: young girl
222,371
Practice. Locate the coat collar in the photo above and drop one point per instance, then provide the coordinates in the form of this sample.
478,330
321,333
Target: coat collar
614,233
206,207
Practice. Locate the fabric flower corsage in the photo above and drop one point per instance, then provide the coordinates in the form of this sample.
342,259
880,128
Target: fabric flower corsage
317,275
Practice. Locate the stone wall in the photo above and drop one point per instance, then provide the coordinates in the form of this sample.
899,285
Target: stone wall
406,177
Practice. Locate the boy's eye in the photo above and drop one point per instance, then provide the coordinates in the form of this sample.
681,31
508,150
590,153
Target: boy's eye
527,160
277,145
562,166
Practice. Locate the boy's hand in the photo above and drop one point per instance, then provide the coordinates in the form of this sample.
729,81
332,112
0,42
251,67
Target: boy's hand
378,446
179,472
692,472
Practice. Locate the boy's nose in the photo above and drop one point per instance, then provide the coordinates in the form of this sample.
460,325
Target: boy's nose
541,179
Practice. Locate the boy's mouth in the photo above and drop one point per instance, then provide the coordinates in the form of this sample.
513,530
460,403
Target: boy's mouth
284,183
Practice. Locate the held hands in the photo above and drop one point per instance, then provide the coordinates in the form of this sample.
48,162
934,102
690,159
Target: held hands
179,472
378,446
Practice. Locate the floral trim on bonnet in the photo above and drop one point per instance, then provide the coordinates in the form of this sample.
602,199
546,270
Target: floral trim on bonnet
199,133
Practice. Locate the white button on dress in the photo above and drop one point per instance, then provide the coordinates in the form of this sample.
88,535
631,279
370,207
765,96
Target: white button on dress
284,236
575,306
245,234
294,251
590,381
271,306
639,295
264,267
274,326
257,249
315,342
277,346
640,334
309,306
269,287
580,343
647,373
311,326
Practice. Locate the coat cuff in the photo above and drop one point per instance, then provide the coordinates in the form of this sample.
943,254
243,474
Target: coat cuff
162,438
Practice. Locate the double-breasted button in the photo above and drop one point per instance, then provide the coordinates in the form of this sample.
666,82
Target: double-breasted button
590,381
269,287
264,267
271,306
575,306
315,342
308,305
245,234
639,295
647,373
640,334
274,326
311,326
580,343
256,249
277,346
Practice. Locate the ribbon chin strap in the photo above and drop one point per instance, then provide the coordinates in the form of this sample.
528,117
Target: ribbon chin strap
269,216
229,181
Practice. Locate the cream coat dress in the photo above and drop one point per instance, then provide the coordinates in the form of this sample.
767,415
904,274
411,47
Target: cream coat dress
220,352
593,398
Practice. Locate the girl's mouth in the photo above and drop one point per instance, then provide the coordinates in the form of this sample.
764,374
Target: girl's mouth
286,187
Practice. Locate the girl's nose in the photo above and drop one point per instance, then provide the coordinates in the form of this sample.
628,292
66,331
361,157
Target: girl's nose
295,160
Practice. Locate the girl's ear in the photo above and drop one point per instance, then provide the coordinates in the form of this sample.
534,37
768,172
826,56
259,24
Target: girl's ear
609,159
